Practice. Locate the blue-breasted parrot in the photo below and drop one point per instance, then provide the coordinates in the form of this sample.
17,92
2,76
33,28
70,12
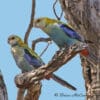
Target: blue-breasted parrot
27,60
62,34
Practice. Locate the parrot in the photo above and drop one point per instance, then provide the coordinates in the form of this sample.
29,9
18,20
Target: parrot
27,59
62,34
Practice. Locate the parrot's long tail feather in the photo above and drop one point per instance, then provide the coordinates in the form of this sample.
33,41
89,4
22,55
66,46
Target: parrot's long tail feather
88,41
62,82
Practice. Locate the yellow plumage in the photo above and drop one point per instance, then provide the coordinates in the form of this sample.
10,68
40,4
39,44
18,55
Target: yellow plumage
23,45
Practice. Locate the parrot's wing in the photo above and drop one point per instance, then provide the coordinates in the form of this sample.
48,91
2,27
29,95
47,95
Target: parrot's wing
70,32
32,60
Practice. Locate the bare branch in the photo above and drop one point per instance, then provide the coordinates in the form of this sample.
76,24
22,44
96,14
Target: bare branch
59,59
34,42
31,23
45,49
54,10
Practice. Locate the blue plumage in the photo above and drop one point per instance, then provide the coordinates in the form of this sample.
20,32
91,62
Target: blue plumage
70,32
32,60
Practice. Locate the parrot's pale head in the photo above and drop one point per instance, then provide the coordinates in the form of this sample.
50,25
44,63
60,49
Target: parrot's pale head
40,22
43,22
14,40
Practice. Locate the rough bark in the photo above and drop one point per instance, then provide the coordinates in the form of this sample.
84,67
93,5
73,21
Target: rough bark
84,16
3,91
33,92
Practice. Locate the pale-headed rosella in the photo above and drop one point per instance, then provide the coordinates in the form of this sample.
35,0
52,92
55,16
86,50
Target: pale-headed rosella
62,34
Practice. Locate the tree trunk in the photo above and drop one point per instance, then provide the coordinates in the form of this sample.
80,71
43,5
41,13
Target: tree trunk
84,16
3,91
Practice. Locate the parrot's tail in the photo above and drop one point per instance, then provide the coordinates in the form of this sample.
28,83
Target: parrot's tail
62,82
88,41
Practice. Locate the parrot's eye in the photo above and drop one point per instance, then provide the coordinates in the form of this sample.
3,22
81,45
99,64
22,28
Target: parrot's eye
38,20
13,38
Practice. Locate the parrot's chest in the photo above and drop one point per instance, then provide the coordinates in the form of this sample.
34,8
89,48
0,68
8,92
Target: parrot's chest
58,36
18,54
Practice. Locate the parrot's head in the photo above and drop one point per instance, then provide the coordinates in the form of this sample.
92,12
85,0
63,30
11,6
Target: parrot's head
14,40
40,23
43,22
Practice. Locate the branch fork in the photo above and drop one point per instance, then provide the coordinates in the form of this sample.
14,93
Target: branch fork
25,80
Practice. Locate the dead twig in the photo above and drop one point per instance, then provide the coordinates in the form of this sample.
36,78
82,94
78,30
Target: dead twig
59,59
31,23
54,10
45,48
34,42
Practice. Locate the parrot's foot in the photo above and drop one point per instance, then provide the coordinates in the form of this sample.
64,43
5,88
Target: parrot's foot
48,77
84,52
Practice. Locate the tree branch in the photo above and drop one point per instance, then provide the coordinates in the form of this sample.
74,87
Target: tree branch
45,49
34,42
60,58
20,94
54,10
31,23
33,92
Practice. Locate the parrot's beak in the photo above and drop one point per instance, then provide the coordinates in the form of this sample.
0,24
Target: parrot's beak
10,41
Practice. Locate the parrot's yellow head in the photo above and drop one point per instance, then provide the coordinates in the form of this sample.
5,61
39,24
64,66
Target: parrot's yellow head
43,22
14,40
